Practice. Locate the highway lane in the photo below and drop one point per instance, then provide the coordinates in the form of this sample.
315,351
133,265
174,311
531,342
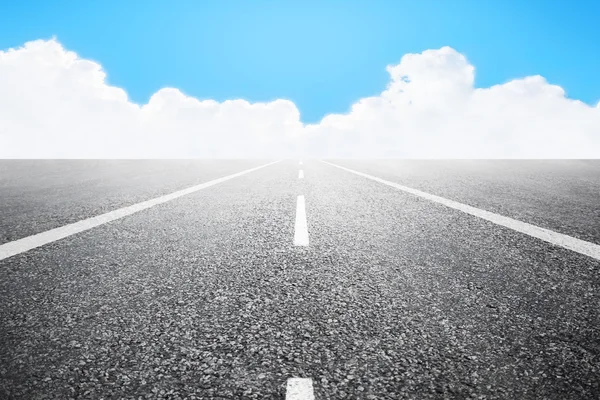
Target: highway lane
164,283
449,305
395,297
38,195
561,195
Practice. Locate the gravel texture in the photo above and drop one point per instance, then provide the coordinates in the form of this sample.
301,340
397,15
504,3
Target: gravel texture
38,195
206,297
561,195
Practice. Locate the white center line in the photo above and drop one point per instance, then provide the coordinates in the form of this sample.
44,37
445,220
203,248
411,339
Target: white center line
299,389
31,242
301,231
300,174
300,162
555,238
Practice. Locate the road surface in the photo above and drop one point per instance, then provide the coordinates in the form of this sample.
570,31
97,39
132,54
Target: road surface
299,280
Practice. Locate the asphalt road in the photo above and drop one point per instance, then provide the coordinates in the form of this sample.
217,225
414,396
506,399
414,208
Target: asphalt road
206,296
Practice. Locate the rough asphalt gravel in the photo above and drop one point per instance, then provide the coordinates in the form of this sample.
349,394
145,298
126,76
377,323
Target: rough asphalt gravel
396,297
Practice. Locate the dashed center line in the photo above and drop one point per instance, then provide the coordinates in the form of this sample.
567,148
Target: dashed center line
300,174
31,242
299,389
301,230
555,238
300,163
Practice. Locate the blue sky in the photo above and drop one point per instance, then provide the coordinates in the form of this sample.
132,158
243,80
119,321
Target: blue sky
323,55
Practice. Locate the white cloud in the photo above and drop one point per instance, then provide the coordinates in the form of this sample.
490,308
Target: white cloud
54,104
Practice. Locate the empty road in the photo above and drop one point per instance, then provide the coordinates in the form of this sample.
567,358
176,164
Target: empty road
299,280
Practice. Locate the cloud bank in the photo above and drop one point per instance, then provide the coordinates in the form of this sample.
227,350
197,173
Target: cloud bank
54,104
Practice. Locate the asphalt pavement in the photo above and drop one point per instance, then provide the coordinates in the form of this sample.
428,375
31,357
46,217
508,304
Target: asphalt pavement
209,295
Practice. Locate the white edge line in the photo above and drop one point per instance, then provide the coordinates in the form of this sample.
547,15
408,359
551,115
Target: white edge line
31,242
301,228
300,174
299,389
555,238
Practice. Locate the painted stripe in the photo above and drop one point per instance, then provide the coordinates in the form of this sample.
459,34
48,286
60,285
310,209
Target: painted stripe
300,163
299,389
31,242
301,231
300,174
555,238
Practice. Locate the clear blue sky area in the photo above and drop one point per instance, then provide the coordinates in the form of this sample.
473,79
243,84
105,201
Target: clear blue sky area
323,55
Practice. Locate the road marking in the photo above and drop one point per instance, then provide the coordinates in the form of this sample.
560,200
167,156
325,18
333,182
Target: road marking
301,231
301,174
31,242
300,163
555,238
299,389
